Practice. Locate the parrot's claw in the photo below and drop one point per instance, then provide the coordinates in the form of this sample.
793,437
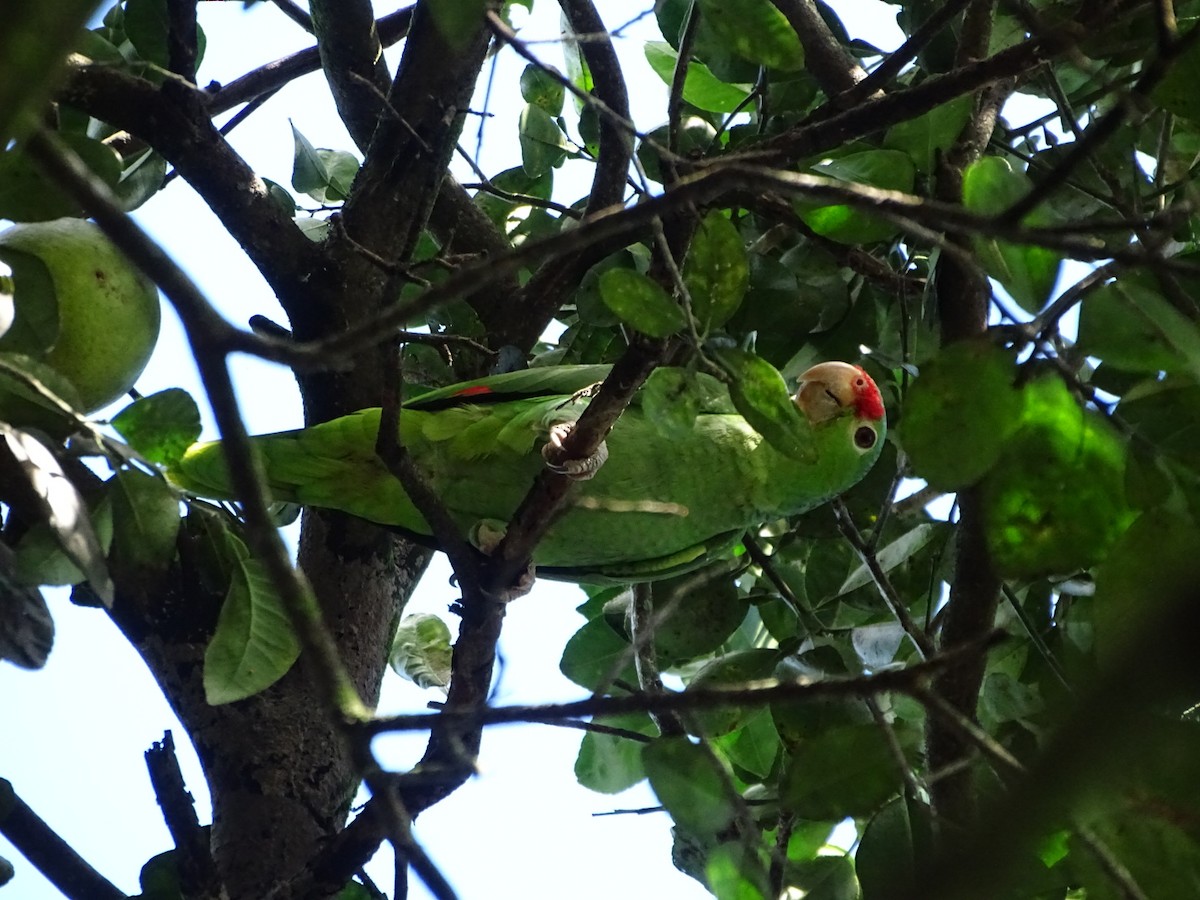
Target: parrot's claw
486,536
578,469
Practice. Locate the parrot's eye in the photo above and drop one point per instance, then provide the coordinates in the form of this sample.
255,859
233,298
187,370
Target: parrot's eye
864,437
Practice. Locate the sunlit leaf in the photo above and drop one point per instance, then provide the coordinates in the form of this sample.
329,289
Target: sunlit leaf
162,426
640,303
761,396
716,271
701,88
756,30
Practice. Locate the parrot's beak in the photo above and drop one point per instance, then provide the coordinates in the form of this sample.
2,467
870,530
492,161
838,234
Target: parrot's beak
827,391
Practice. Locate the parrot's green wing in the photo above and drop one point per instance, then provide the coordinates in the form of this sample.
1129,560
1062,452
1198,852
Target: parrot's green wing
669,497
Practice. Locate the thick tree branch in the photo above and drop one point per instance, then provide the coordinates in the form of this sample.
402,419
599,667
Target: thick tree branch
835,70
196,872
352,58
49,853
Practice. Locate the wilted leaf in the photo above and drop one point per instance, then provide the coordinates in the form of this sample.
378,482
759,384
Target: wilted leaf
421,651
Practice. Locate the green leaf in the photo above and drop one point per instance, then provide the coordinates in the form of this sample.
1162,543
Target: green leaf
145,524
543,144
609,764
1055,501
421,651
716,271
254,645
595,654
931,134
824,878
162,426
26,195
141,179
1132,327
542,89
34,42
731,670
324,175
40,558
458,20
887,854
756,30
696,138
690,783
842,771
640,303
146,26
761,396
1176,92
959,413
707,610
886,169
1028,273
701,88
754,745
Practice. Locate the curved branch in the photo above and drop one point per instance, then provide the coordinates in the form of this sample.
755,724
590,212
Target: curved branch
835,70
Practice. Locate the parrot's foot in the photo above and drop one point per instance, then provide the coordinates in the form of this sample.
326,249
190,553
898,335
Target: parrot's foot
486,536
579,469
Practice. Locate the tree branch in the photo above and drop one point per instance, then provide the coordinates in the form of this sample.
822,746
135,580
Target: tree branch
352,58
49,853
196,872
835,70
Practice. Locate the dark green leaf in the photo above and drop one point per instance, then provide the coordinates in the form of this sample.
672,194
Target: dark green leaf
162,426
701,88
696,136
421,651
716,271
690,783
755,30
542,89
33,49
824,878
309,175
146,26
458,20
145,523
887,855
26,195
730,670
543,144
761,396
959,414
640,303
754,746
40,558
26,627
846,770
141,179
706,610
1176,92
895,553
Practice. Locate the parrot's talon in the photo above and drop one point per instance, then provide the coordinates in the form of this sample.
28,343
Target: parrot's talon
579,469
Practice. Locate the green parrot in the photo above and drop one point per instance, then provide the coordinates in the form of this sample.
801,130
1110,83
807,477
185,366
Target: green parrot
665,500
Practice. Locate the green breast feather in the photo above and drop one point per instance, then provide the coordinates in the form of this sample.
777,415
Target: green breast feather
664,501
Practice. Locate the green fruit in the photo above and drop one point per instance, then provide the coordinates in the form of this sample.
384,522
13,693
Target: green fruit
80,307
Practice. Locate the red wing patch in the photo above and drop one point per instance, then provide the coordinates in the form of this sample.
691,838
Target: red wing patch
474,391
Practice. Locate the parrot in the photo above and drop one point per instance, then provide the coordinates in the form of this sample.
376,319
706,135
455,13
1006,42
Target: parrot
659,499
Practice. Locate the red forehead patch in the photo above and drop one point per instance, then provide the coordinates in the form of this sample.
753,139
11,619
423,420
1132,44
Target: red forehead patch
869,401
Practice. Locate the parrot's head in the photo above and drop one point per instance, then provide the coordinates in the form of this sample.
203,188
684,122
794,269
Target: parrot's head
838,390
